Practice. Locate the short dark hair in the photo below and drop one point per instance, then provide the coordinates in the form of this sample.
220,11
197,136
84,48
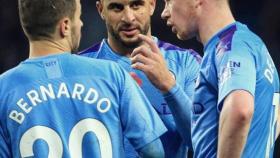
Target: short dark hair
39,18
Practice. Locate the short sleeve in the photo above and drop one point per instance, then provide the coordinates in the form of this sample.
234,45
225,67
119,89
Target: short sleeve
236,70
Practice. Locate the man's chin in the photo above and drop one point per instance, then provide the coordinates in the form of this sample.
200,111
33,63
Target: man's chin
131,42
182,37
179,37
128,38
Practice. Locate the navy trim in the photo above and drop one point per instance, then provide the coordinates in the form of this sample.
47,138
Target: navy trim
225,41
195,55
93,48
168,46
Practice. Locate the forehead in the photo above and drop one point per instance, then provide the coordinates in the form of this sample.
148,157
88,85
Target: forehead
122,1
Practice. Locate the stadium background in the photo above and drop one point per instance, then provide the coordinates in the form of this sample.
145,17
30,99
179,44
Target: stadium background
261,16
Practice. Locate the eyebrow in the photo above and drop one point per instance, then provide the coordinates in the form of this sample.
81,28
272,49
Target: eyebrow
119,4
114,4
133,1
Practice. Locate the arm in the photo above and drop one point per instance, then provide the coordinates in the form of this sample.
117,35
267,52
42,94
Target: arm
152,150
180,101
149,59
180,106
234,123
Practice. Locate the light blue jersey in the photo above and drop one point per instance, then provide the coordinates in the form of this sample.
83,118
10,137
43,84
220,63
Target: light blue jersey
184,65
236,59
71,106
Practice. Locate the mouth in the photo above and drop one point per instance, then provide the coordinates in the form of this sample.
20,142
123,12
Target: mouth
169,24
129,31
174,30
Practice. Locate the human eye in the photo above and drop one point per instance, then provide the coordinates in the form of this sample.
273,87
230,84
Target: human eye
115,7
137,4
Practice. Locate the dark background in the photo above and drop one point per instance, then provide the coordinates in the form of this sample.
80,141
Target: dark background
261,16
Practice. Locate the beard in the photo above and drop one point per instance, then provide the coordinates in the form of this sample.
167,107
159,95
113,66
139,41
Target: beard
128,42
75,38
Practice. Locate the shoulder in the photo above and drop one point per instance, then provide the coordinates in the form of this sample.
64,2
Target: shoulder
91,51
99,66
173,52
12,73
239,39
11,77
97,63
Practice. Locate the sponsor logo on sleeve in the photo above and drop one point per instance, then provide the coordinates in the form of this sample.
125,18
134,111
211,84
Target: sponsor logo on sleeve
227,71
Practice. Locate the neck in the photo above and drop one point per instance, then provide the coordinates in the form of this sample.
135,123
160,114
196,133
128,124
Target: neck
121,49
46,47
214,18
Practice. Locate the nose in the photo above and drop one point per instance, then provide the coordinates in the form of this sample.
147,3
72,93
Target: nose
165,13
128,15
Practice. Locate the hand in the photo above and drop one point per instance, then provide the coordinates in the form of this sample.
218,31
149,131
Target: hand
149,59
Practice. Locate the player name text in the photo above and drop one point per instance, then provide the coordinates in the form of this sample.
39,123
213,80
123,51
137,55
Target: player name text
44,93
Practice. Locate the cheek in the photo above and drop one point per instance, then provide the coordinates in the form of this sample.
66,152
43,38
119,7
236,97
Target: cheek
144,17
141,12
111,24
113,19
140,15
178,15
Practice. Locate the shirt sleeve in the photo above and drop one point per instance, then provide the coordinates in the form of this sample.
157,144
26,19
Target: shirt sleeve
141,124
179,99
236,71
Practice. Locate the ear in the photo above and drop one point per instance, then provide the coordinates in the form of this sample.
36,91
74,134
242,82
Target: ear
153,6
99,6
65,27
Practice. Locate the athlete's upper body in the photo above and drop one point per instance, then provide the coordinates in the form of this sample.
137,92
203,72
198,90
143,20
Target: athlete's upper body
237,92
63,105
165,72
239,61
184,66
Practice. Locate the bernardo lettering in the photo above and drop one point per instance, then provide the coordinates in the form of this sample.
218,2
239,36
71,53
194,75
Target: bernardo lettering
44,93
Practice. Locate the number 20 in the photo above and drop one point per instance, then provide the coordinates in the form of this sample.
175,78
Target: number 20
75,139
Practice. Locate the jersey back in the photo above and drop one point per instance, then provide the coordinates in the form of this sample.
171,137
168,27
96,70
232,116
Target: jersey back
71,106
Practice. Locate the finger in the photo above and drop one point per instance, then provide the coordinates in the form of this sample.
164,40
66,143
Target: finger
150,43
142,59
144,50
140,66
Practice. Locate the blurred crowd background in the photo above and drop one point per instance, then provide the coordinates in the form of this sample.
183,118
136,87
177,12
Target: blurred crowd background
261,16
